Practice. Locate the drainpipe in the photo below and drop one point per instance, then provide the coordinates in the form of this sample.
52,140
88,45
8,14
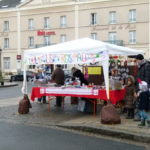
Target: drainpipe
76,19
18,40
149,30
0,59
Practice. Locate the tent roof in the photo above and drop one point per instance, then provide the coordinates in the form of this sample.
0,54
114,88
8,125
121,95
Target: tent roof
84,45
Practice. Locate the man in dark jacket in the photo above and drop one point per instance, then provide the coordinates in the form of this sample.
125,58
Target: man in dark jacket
58,77
143,74
143,69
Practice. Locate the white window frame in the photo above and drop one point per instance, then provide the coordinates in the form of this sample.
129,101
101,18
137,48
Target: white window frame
46,22
6,26
63,21
112,37
132,37
6,62
93,18
94,36
112,17
6,43
47,40
31,24
63,38
132,15
31,41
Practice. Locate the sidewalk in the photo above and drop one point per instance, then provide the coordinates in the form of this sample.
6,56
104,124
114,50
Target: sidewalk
8,84
70,118
128,129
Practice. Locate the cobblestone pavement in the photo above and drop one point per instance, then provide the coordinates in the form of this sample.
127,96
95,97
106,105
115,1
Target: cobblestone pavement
39,114
67,117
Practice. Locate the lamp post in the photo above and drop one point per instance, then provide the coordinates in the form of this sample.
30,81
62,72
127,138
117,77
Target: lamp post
1,76
0,59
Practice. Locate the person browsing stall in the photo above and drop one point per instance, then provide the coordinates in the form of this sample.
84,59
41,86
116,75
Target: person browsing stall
58,77
76,73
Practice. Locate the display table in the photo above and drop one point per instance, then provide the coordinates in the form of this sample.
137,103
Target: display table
115,95
37,92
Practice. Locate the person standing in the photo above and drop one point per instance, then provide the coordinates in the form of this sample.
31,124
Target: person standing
143,69
130,97
41,77
143,105
142,74
58,77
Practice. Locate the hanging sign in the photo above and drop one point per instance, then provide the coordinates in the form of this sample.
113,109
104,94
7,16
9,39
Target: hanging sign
68,58
18,57
94,70
44,33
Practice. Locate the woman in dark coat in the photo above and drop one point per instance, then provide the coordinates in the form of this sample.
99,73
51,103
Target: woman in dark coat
130,97
77,73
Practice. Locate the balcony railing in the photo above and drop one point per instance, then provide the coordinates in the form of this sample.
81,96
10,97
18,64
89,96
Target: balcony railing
116,42
43,45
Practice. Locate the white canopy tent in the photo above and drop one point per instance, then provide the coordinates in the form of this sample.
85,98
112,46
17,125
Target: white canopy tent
79,51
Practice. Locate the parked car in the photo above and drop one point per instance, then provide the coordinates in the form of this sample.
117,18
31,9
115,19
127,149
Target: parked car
19,76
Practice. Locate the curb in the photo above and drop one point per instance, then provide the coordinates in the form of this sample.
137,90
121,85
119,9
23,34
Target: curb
109,132
3,86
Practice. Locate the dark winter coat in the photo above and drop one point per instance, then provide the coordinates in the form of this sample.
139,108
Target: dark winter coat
58,76
129,96
144,101
144,71
80,75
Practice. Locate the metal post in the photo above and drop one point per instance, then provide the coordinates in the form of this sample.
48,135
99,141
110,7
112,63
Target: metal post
0,59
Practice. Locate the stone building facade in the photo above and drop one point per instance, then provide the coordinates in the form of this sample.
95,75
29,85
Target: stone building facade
35,23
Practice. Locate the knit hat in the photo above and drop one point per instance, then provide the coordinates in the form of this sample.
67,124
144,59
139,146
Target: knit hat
143,86
139,57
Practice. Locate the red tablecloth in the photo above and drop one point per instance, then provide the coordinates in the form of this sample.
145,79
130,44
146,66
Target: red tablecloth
115,95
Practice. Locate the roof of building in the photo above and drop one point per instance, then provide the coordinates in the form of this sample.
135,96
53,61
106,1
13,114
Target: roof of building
5,4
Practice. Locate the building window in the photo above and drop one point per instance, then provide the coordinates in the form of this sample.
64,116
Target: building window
112,17
93,18
63,21
65,67
47,40
132,15
6,42
46,22
94,36
31,41
30,24
6,26
132,37
63,38
112,37
6,61
31,66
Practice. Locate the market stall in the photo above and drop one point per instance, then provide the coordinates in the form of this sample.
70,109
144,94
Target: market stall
81,51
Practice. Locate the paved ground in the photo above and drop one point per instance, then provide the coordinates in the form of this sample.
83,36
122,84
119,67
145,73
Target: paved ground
69,117
9,84
16,137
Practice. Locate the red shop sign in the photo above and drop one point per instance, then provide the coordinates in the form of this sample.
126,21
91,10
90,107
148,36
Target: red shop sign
43,33
18,57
